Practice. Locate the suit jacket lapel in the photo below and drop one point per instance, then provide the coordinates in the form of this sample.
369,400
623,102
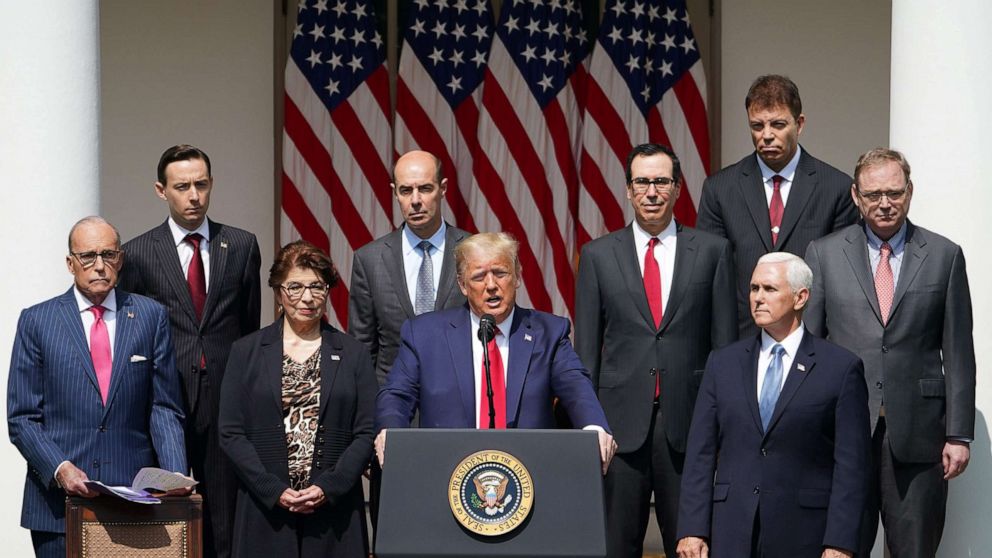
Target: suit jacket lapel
446,283
522,342
749,377
802,366
685,260
392,260
123,341
218,265
912,260
77,337
856,252
459,337
803,184
630,270
272,355
752,189
330,346
165,251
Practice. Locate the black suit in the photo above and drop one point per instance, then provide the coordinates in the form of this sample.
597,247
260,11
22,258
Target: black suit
379,301
253,434
733,205
920,363
617,340
152,268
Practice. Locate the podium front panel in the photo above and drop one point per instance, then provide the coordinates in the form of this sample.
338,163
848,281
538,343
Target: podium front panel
567,515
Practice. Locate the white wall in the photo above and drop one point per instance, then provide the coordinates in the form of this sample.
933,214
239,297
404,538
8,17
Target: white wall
189,72
837,53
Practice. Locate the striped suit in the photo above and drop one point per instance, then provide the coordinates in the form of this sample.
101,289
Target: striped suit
55,412
152,268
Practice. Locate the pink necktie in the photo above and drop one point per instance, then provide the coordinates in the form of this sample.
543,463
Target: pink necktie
499,388
776,208
100,351
884,283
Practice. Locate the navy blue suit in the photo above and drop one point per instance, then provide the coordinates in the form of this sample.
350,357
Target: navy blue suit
434,371
55,412
805,478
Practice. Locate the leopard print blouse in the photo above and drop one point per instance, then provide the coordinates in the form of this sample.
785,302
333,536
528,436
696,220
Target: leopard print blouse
300,408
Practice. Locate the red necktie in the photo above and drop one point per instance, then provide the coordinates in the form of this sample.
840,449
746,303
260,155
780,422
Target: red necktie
195,278
652,287
776,208
100,351
499,387
884,283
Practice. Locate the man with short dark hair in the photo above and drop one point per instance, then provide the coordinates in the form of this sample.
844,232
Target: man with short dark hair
780,197
93,392
653,300
207,275
897,295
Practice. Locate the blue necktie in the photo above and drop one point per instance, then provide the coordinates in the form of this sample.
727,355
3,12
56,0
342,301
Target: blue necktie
772,386
424,298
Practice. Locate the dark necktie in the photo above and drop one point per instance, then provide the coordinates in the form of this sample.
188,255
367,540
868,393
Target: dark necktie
499,387
100,351
884,282
196,279
772,387
776,208
424,298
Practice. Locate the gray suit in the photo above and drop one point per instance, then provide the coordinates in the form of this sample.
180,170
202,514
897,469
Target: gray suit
921,364
379,301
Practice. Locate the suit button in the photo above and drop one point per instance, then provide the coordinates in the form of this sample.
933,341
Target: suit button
653,371
757,490
102,428
320,452
321,428
764,452
96,464
317,464
658,336
320,440
885,349
878,385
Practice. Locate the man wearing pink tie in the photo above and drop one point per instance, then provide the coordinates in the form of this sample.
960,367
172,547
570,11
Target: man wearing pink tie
93,392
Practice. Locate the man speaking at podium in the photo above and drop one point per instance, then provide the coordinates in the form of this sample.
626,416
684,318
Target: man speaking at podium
440,368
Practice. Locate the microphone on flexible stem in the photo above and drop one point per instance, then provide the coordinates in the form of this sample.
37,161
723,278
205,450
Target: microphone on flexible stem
487,332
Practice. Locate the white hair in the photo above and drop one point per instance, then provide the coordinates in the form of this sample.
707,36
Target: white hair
799,275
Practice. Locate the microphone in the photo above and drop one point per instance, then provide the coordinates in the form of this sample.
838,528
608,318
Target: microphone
487,332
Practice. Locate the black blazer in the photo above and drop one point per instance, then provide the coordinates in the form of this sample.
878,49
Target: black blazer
253,435
151,268
616,338
733,205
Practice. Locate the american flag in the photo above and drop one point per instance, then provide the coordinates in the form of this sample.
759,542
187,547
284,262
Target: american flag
337,141
529,128
445,48
646,83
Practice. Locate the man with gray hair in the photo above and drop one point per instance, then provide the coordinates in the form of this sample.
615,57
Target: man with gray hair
897,295
778,445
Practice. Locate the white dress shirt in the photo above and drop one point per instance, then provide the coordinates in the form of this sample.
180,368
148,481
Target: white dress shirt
109,315
790,344
788,173
664,254
185,249
413,257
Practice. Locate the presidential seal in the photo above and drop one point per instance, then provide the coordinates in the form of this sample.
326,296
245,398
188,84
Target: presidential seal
490,493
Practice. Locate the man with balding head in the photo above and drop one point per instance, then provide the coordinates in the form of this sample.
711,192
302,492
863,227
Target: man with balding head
93,392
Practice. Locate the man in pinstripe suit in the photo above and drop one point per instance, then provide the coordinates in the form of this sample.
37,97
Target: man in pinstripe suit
207,276
93,392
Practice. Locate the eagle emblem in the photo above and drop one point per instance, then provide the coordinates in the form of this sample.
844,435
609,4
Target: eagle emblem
491,488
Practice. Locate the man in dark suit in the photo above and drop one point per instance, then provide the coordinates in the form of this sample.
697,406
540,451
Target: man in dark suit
391,279
778,448
93,392
777,199
897,295
207,275
439,367
653,300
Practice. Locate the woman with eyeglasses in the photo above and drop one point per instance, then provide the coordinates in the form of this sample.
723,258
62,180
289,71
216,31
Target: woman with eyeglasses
297,407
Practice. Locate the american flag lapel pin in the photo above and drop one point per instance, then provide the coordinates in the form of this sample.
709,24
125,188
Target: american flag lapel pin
801,367
130,314
527,337
223,244
335,357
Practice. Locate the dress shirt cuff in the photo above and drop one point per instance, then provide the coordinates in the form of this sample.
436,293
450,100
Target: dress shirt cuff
962,439
596,427
56,475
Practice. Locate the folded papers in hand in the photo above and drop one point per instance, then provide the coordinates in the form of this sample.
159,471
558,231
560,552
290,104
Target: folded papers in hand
148,480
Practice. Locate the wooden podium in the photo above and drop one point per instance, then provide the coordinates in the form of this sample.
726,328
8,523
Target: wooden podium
105,526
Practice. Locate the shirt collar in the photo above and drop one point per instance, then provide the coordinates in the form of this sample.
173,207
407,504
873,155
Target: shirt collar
179,233
788,172
411,240
504,330
641,236
790,343
896,242
84,304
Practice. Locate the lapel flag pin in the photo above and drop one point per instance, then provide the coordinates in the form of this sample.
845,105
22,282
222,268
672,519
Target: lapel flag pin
527,337
130,314
801,367
335,357
223,244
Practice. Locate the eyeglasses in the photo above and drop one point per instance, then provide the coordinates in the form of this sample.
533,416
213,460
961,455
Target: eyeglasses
295,290
88,259
891,195
661,184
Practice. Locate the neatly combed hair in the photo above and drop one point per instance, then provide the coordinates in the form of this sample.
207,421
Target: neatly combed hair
649,149
799,275
499,243
181,152
772,91
878,156
95,220
303,255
